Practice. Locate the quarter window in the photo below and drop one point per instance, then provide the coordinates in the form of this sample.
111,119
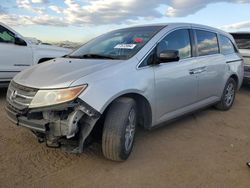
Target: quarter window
207,43
6,36
177,40
149,60
226,45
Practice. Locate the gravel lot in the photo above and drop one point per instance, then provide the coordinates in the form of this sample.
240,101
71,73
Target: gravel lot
206,149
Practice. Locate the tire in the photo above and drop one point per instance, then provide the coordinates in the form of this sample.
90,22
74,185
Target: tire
228,95
119,129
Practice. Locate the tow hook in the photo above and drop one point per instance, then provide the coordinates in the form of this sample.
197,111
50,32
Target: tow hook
40,140
52,144
40,137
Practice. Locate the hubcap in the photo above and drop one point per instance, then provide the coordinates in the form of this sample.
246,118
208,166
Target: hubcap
229,96
130,130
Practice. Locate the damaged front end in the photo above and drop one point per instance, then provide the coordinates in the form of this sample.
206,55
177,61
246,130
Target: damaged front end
68,124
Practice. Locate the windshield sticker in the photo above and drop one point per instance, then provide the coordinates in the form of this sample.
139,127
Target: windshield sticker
125,46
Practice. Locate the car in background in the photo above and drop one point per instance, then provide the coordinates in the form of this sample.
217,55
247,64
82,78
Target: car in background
242,40
17,53
144,75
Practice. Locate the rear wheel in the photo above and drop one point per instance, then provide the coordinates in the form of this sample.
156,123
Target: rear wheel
228,96
119,129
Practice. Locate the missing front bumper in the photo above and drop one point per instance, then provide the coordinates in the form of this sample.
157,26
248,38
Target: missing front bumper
58,123
19,120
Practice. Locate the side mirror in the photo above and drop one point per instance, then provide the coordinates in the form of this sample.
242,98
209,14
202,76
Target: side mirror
19,41
168,56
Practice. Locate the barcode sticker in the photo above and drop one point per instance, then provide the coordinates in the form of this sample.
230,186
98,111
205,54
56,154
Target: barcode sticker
125,46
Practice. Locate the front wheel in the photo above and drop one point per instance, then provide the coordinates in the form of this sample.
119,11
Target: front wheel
119,129
228,95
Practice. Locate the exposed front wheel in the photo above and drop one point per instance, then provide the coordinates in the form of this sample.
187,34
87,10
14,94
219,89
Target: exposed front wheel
119,129
228,95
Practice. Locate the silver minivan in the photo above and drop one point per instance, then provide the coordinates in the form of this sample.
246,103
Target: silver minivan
144,75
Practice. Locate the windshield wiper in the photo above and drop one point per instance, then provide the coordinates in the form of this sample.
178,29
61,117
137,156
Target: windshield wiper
97,56
72,56
90,56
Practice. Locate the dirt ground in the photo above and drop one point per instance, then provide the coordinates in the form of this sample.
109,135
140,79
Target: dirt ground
207,149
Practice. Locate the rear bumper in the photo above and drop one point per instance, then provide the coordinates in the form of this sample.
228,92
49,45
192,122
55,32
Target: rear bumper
4,84
19,120
247,74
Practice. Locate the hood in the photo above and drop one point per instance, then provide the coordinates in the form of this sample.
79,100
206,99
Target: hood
45,47
61,72
32,40
35,43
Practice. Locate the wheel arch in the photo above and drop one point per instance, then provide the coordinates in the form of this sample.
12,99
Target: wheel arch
143,107
236,79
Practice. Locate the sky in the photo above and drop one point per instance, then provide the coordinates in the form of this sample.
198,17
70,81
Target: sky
81,20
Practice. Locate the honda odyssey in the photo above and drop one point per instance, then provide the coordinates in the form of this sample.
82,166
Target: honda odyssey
143,75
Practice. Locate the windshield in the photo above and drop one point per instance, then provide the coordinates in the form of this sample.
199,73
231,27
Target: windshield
119,44
242,40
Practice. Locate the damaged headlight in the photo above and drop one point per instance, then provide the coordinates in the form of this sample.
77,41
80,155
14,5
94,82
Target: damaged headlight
52,97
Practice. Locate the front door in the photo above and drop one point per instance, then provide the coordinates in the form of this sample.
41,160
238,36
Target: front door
13,58
175,85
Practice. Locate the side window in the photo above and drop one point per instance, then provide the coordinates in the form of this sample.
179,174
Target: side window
6,36
226,45
207,43
177,40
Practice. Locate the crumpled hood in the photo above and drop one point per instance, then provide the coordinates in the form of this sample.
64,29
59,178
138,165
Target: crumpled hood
61,72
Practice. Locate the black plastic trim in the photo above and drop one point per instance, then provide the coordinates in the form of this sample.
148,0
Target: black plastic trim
37,125
10,71
234,61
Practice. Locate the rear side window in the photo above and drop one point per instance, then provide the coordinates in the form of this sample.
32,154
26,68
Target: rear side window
207,43
226,45
177,40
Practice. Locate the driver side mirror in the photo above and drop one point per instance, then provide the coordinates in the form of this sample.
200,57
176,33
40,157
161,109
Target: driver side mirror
19,41
166,56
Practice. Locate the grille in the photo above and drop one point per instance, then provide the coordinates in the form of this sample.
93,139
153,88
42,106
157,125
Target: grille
19,97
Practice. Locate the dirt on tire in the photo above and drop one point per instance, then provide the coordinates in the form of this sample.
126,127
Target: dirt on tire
207,149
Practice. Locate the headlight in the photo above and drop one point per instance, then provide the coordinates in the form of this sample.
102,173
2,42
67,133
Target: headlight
58,96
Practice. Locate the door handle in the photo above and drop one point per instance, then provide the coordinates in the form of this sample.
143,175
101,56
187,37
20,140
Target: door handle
198,70
192,72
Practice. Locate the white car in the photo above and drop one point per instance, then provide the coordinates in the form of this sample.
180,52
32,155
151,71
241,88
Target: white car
242,40
18,53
